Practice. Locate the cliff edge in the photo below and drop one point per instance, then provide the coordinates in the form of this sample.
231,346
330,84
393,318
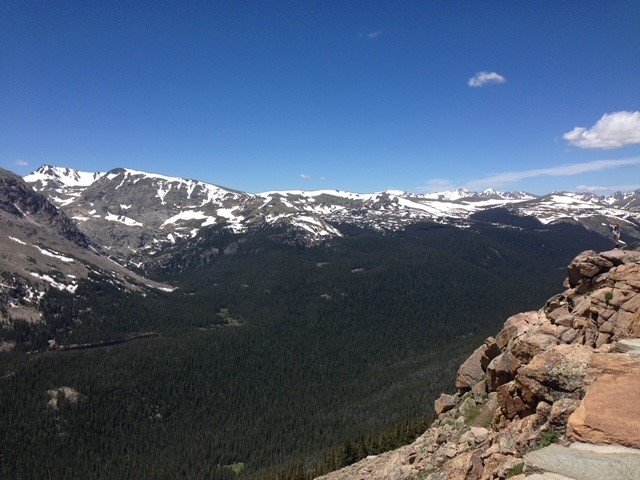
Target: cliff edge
553,396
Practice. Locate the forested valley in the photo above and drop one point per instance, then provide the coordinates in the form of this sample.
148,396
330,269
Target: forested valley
273,359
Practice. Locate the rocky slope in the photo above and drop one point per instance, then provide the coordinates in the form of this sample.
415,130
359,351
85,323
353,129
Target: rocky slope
42,248
135,214
552,396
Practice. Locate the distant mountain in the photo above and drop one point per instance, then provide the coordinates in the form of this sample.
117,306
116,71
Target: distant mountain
42,248
134,214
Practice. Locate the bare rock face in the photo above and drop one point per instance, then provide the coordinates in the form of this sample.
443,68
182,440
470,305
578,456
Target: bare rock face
568,372
444,403
470,372
586,266
61,395
609,412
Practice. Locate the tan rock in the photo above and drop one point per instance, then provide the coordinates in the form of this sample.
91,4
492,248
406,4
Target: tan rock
526,347
557,313
548,329
619,257
622,321
586,266
609,412
560,412
501,370
589,337
634,326
632,304
510,402
611,297
580,322
490,353
471,372
606,327
479,391
559,369
602,339
628,273
566,321
566,371
583,307
444,403
569,335
466,466
517,325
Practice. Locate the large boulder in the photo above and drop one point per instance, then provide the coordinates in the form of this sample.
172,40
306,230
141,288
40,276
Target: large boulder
527,347
471,372
567,371
621,257
445,402
501,370
609,412
517,325
586,266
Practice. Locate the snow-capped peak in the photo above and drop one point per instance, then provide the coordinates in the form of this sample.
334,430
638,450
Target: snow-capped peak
67,176
450,195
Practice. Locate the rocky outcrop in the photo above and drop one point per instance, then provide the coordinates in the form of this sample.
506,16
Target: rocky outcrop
606,416
567,373
19,199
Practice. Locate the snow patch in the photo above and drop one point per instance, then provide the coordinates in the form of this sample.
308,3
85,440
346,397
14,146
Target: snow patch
122,219
55,255
60,286
187,215
17,240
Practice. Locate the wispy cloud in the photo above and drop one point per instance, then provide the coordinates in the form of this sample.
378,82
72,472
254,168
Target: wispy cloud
304,176
613,130
610,189
436,185
484,79
370,35
21,163
563,170
592,188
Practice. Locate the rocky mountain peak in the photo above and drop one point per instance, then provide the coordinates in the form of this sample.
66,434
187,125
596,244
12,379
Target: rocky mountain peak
19,199
553,395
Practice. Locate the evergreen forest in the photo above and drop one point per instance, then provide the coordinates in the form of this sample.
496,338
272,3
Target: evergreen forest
271,359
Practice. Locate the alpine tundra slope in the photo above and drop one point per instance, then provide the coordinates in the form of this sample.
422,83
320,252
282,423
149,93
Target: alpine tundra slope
134,214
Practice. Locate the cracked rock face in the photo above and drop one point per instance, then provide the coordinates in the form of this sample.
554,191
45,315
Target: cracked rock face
568,372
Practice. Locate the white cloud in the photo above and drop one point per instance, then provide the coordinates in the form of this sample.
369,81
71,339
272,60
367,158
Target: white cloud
21,163
613,130
561,171
304,176
436,185
370,35
483,79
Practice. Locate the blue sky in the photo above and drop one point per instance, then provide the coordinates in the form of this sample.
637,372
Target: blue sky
361,96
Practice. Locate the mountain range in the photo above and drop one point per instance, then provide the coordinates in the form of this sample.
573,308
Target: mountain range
134,214
201,321
61,224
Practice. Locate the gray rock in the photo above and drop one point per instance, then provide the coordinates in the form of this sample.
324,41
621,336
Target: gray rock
585,463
